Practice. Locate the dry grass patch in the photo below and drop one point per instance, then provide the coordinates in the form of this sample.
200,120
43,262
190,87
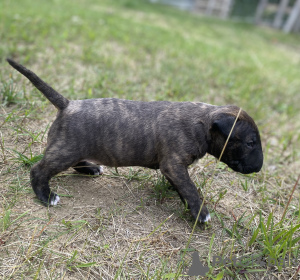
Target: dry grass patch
125,224
130,225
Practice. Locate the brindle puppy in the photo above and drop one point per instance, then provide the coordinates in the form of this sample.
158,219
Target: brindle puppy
160,134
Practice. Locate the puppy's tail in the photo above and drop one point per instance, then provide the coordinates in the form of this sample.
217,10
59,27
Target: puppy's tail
53,96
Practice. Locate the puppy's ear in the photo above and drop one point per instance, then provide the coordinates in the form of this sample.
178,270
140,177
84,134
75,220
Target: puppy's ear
224,125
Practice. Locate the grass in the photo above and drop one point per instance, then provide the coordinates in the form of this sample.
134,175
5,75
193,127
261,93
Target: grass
128,224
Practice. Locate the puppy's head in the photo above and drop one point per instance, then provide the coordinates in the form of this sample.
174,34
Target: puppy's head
243,152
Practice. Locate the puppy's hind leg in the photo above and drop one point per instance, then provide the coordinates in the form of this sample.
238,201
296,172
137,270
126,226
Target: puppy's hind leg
88,168
178,176
43,171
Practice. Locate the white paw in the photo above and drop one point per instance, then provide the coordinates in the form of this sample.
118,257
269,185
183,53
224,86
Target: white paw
207,218
55,201
100,172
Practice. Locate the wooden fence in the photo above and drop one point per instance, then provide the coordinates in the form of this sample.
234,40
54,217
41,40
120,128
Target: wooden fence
220,8
287,17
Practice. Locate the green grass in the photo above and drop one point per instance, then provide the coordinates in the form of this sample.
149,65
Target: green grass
139,228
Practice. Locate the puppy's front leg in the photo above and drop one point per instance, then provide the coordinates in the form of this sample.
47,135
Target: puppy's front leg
178,176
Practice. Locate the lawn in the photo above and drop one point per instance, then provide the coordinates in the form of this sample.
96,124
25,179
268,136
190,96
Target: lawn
127,223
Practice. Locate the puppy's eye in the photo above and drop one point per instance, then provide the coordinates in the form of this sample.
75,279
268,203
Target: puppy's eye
250,144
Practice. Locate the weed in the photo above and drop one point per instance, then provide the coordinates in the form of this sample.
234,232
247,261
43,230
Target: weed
25,160
5,220
161,188
245,185
8,93
275,240
2,147
220,195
